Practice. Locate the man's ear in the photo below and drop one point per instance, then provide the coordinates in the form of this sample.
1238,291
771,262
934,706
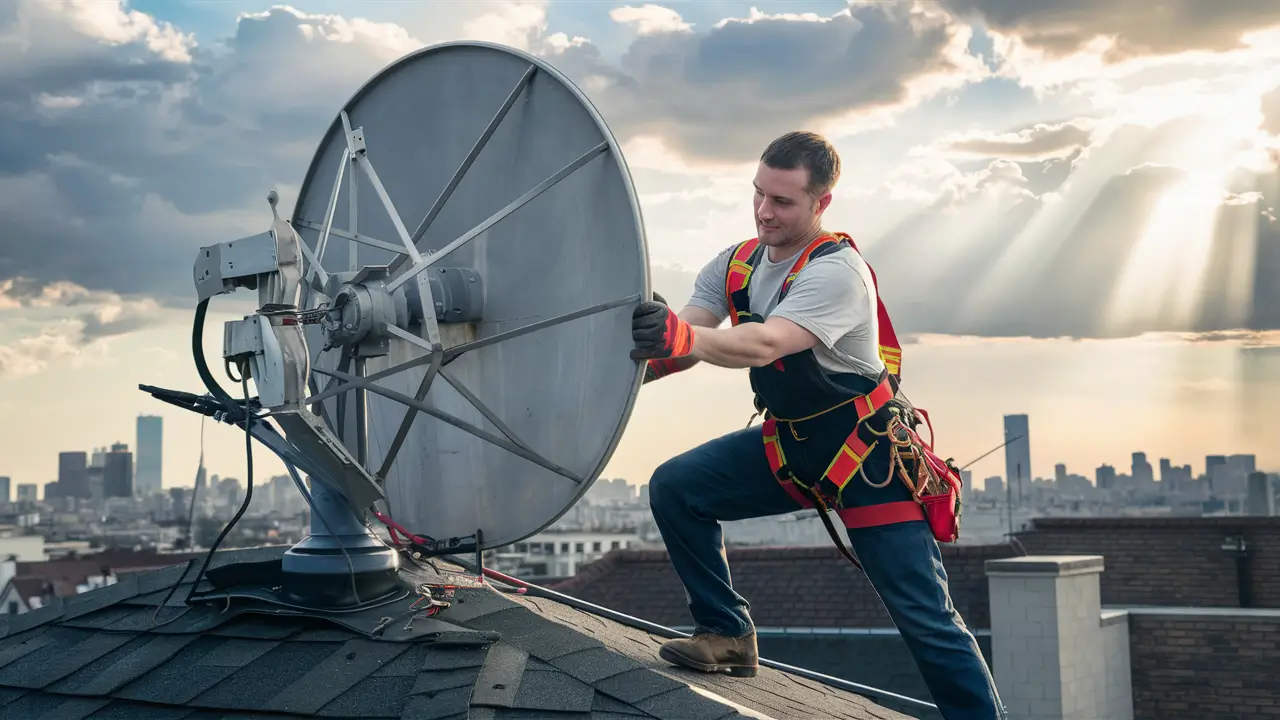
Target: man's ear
823,202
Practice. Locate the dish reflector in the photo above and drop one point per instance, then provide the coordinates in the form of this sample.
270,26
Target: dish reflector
528,239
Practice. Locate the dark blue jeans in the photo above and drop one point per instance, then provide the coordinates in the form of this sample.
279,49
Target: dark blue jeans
729,478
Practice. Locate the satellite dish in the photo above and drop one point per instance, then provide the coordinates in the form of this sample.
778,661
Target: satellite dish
443,325
530,245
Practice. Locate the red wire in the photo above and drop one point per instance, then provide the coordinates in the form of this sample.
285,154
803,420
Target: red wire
393,526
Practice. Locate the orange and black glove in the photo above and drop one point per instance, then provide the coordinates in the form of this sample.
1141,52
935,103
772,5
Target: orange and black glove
660,337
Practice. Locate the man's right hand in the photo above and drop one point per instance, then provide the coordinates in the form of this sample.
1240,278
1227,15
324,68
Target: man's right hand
659,332
655,367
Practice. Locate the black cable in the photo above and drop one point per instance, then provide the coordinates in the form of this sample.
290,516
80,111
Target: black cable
202,367
248,493
233,408
248,496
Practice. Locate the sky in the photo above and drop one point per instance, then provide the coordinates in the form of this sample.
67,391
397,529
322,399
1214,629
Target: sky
1071,205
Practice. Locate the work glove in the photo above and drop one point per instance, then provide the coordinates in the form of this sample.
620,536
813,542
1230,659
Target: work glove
658,332
649,329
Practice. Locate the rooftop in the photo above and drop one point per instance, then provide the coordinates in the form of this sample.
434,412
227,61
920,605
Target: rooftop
491,654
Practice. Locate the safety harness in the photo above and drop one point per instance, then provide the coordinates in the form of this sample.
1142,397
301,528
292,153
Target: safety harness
934,483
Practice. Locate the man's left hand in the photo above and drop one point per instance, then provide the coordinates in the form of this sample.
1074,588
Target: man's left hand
659,333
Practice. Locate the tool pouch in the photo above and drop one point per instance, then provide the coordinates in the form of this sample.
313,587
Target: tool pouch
942,509
941,500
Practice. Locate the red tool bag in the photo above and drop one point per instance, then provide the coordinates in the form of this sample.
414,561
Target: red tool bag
937,485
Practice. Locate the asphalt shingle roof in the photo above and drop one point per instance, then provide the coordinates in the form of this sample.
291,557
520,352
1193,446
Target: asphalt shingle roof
492,655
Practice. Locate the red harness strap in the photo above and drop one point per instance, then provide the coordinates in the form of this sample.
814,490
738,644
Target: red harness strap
843,467
738,276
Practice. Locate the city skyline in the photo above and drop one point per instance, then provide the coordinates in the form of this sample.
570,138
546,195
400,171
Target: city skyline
1014,425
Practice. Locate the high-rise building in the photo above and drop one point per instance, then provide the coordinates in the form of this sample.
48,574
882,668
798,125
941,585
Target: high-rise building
1212,461
1174,478
149,442
73,475
5,484
1140,470
994,485
117,472
1105,477
1228,474
1260,496
1243,464
1017,453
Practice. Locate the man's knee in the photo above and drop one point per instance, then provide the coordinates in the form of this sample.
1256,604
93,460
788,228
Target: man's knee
905,565
668,484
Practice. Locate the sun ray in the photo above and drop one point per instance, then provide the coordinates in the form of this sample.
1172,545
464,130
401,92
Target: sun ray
1164,284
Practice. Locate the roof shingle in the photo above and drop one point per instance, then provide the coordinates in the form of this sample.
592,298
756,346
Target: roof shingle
490,655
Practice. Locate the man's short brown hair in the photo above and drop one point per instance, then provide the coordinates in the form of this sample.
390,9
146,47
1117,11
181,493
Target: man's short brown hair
810,151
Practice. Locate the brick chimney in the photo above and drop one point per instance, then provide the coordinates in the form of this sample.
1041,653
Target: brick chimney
1055,654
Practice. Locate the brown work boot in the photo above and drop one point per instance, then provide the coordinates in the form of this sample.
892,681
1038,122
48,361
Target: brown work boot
714,653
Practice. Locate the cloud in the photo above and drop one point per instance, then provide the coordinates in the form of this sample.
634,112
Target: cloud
1271,112
64,46
1242,339
103,313
1148,229
73,321
73,222
650,19
1042,141
980,231
715,96
520,24
1236,338
1124,28
30,355
125,145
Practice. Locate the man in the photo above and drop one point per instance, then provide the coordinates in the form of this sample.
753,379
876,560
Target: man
817,368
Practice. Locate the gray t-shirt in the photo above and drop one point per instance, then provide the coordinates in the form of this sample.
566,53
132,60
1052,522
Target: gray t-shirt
832,298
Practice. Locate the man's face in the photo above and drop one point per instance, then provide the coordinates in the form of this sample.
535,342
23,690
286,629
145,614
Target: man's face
784,211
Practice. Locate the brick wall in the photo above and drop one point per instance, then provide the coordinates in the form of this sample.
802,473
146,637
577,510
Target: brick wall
1169,561
786,586
1208,665
1164,562
967,579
